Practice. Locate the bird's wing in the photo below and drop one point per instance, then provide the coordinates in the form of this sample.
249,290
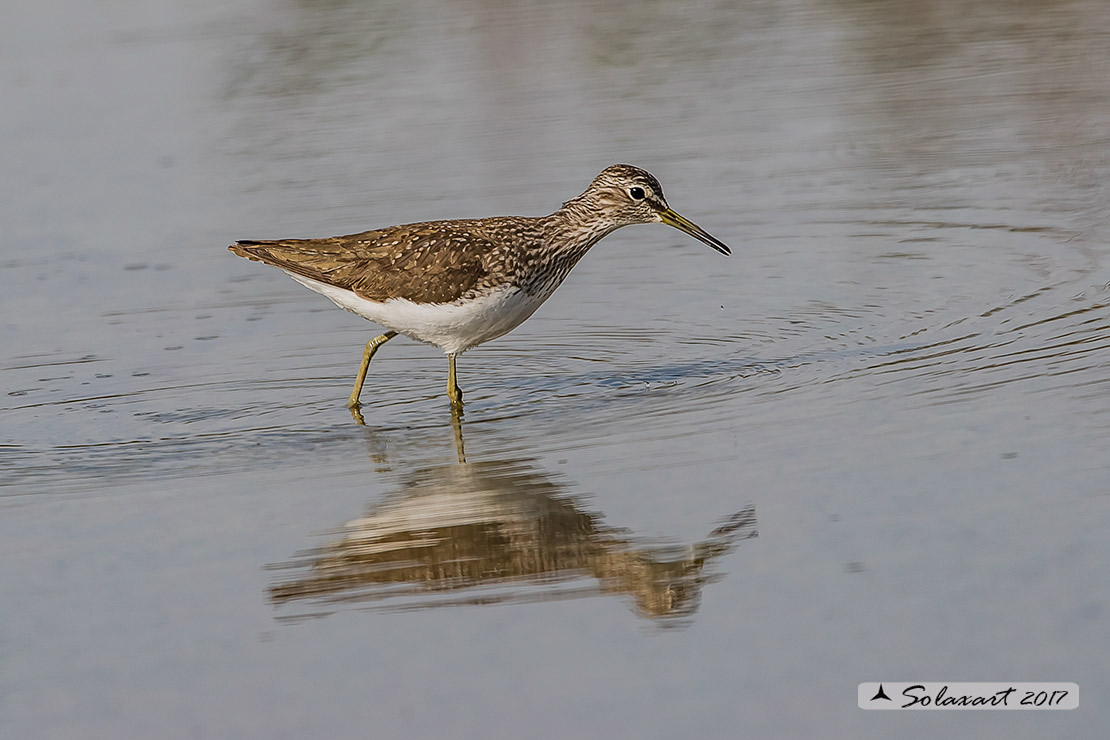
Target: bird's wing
433,262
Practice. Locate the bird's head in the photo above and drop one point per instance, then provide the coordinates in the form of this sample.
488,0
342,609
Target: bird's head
623,195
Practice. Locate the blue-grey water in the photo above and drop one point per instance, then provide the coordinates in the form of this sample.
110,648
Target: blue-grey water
700,496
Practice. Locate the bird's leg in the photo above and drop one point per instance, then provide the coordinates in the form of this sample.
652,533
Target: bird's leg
453,390
371,348
456,424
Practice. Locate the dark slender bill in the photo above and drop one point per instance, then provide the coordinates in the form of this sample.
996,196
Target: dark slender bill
673,219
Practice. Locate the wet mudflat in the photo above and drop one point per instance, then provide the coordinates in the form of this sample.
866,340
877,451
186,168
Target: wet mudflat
692,496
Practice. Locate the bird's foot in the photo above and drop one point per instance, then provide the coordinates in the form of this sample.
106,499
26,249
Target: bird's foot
357,415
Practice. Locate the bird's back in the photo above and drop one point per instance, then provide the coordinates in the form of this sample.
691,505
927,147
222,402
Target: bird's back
428,262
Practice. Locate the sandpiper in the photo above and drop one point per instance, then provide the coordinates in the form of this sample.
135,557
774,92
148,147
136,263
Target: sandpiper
457,284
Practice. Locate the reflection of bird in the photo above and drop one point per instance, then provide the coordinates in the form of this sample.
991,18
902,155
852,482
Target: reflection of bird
457,284
501,532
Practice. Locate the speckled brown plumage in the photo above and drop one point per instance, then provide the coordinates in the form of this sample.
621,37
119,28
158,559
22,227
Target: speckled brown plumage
431,262
448,261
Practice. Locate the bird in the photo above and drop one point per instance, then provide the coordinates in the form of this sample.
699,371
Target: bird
460,283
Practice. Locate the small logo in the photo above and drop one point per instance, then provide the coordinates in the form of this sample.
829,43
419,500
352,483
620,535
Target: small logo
880,694
967,695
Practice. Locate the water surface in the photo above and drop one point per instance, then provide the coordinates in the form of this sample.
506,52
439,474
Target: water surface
692,496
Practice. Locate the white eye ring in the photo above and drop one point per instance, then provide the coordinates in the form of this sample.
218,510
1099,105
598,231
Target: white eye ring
637,193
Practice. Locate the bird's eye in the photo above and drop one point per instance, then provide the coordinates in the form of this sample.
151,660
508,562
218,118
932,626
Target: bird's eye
636,193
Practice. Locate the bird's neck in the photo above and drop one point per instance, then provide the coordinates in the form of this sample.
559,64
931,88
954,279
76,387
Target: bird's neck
567,235
578,225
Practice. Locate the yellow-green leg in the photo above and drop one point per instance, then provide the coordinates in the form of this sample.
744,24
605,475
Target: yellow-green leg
456,424
371,348
453,390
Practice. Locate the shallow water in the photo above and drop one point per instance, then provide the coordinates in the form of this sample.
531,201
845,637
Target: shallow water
693,495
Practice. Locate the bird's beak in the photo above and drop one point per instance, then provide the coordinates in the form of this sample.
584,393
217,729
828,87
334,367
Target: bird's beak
670,218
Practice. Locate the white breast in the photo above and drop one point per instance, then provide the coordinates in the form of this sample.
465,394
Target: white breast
453,327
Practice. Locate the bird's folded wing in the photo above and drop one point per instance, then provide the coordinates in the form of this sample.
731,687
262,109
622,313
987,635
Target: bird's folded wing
425,263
